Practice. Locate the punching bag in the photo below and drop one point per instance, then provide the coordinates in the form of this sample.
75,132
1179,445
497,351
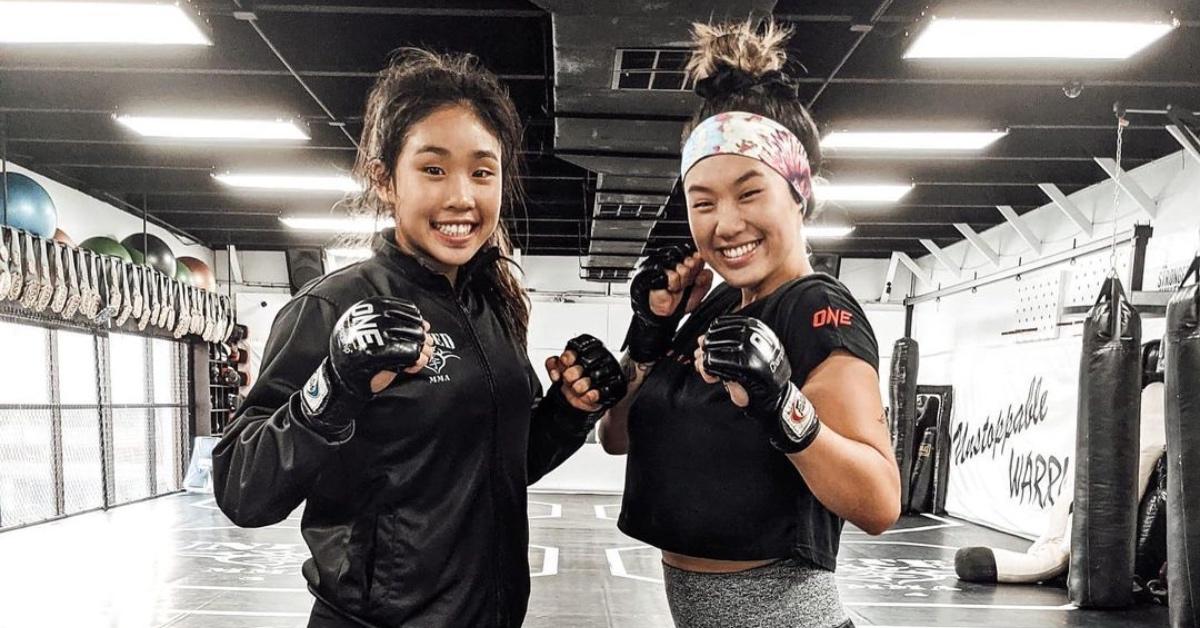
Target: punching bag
1183,453
902,384
1106,453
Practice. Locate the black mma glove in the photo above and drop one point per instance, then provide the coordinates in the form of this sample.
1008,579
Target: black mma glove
744,350
601,368
649,336
376,334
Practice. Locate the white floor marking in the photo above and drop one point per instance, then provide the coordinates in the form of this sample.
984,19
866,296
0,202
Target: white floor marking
202,587
549,561
182,611
616,566
555,511
943,523
905,543
602,511
1003,607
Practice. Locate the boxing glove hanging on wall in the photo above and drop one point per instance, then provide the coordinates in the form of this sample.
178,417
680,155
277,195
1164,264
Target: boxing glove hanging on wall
1183,452
1106,453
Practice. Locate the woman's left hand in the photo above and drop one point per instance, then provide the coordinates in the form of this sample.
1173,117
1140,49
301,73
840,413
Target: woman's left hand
589,375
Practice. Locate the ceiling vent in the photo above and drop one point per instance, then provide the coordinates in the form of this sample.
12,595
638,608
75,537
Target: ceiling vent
652,69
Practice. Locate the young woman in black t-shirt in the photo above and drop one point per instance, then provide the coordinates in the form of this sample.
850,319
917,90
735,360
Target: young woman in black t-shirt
745,486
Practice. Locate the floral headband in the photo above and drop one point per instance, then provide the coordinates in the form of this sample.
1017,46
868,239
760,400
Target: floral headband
754,136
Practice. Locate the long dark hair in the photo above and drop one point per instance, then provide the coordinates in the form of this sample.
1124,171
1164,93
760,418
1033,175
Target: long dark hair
416,83
737,67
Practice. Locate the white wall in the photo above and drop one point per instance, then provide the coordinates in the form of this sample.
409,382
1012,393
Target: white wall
82,216
972,339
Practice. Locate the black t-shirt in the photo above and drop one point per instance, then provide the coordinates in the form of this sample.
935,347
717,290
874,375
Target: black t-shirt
701,478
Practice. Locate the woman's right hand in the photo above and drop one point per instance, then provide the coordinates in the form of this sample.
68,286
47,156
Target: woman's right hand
371,341
690,273
668,276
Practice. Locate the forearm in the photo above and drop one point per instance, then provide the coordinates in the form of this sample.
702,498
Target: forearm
852,479
556,431
613,430
265,465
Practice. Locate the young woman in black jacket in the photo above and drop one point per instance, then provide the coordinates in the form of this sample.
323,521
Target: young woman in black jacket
395,397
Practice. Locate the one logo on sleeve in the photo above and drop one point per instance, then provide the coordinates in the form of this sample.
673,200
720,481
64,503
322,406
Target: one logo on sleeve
828,316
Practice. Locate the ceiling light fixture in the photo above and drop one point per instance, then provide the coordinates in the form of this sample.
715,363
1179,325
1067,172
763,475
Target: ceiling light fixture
910,140
952,38
295,182
827,232
862,193
98,23
335,224
214,128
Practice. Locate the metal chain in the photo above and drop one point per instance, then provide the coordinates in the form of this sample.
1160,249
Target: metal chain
1112,251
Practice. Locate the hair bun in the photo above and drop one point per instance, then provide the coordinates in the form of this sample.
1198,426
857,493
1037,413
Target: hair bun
736,50
727,81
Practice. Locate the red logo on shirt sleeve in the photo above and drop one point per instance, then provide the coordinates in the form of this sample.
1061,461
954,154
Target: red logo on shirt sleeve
831,316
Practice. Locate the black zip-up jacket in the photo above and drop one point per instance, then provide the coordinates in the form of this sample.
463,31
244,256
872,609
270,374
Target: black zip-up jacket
419,517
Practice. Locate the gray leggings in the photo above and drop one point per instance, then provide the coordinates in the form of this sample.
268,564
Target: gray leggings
789,593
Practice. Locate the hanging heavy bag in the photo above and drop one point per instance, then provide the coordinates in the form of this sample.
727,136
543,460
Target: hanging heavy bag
902,385
1106,453
1183,452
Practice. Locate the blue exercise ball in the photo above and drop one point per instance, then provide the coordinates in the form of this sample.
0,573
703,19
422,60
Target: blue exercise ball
29,206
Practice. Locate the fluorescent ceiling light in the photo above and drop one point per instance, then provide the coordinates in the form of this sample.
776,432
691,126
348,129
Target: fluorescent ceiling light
910,140
361,253
213,128
1034,39
97,23
336,224
826,232
861,193
326,183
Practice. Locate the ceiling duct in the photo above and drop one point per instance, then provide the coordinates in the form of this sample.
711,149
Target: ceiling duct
620,101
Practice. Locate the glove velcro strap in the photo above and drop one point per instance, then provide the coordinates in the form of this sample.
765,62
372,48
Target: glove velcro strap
796,423
325,404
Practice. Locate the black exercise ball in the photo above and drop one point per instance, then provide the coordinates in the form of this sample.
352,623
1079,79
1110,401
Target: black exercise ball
157,254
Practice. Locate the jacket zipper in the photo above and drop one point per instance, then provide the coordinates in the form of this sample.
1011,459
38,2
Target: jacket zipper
491,383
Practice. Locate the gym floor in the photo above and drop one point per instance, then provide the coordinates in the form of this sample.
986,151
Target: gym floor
177,561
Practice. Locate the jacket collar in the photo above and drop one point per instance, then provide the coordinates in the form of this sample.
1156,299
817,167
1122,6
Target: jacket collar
418,269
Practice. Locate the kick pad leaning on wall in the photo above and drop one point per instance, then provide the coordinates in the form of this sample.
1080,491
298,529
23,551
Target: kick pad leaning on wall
931,457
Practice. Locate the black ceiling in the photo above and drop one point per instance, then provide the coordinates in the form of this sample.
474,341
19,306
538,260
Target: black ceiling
58,104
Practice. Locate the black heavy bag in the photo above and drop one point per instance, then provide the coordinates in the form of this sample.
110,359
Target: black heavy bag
1106,453
903,409
1183,453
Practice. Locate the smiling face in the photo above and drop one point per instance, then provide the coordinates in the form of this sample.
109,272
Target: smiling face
446,190
745,222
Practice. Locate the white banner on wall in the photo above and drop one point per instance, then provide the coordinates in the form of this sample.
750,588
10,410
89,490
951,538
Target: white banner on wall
1013,433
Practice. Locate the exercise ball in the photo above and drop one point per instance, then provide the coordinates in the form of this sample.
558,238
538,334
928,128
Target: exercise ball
182,273
62,237
157,254
201,274
29,206
106,246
